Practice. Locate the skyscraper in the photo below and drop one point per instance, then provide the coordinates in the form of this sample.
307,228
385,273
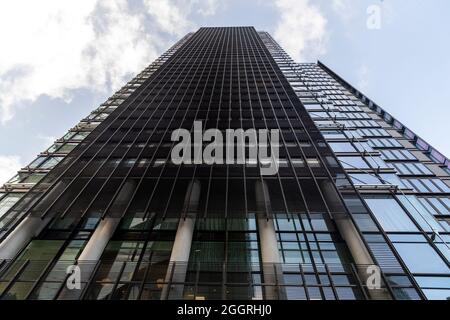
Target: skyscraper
357,208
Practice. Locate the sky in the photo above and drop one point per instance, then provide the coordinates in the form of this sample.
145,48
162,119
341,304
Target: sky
61,59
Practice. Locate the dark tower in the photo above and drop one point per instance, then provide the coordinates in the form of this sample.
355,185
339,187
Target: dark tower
342,218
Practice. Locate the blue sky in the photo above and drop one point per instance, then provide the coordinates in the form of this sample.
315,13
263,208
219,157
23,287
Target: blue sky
61,59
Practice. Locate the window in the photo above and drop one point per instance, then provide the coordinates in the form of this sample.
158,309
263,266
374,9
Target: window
8,201
422,216
364,179
359,123
353,162
101,116
37,162
67,147
80,135
357,115
376,162
313,162
427,185
333,134
45,162
392,179
384,143
436,205
68,135
362,162
51,162
319,115
297,162
410,168
397,155
363,147
352,134
421,258
389,214
39,253
62,148
122,251
434,282
437,294
33,178
342,147
373,133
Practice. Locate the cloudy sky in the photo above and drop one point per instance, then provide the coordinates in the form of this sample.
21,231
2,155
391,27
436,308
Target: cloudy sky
61,59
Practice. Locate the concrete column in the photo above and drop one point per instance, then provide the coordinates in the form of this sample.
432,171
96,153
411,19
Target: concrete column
106,228
355,244
29,228
91,254
270,256
179,258
98,241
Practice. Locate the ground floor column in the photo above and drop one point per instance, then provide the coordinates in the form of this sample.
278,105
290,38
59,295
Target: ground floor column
268,244
29,228
93,250
98,241
179,258
352,238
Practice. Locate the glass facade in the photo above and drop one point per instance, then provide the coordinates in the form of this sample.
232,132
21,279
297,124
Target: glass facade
403,181
353,191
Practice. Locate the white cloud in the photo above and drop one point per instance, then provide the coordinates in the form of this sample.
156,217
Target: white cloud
42,49
169,16
209,7
121,47
51,47
9,165
174,16
345,9
301,29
